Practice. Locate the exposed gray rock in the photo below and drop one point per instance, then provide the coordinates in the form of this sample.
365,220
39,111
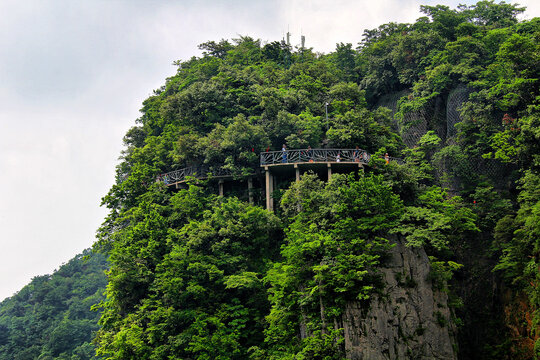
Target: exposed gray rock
411,321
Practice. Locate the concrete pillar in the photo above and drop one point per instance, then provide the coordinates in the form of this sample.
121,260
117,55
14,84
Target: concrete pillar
272,187
220,187
329,171
269,189
297,170
181,185
250,190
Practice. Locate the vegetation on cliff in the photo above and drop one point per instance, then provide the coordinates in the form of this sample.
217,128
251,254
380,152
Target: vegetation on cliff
455,94
198,276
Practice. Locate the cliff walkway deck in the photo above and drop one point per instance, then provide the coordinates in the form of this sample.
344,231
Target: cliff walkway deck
280,163
321,161
298,156
199,172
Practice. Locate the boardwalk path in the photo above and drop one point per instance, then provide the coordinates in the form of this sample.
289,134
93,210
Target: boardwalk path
276,158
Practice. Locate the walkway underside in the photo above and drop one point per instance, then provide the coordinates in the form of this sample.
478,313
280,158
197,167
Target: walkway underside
323,169
285,164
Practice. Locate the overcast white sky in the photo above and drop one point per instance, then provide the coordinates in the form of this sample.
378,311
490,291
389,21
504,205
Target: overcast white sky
73,75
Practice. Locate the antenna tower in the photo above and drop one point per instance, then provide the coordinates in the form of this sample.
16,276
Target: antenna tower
288,38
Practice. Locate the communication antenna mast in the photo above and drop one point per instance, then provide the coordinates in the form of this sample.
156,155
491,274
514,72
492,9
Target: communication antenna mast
303,41
288,38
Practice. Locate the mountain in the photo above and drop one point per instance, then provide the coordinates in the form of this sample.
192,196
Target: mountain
50,318
432,255
377,202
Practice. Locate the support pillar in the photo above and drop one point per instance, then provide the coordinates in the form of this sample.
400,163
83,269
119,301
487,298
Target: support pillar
329,171
181,185
297,170
220,187
250,190
269,189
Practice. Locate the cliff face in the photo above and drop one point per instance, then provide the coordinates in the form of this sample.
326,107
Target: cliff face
518,318
412,321
186,256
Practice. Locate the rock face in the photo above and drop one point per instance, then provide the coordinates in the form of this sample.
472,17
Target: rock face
411,320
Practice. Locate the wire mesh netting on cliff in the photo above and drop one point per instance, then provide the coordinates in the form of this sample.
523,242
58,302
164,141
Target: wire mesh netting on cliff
455,174
414,126
455,100
414,123
390,101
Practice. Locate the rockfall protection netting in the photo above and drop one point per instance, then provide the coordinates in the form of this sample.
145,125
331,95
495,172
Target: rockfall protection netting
414,123
455,99
457,174
413,126
441,115
390,101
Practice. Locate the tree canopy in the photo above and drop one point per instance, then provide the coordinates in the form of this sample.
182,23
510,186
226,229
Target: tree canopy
51,317
195,275
198,276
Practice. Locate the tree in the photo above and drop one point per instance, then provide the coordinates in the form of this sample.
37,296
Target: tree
51,317
333,246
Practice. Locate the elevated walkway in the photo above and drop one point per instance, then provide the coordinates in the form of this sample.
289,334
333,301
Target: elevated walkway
285,163
201,172
321,161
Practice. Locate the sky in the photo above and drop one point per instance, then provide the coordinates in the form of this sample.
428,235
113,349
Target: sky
73,75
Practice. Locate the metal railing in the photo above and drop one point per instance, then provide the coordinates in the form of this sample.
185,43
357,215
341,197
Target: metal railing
319,155
198,172
276,158
314,155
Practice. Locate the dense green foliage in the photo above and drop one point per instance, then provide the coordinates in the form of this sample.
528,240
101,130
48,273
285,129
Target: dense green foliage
195,275
198,276
333,247
187,279
51,318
